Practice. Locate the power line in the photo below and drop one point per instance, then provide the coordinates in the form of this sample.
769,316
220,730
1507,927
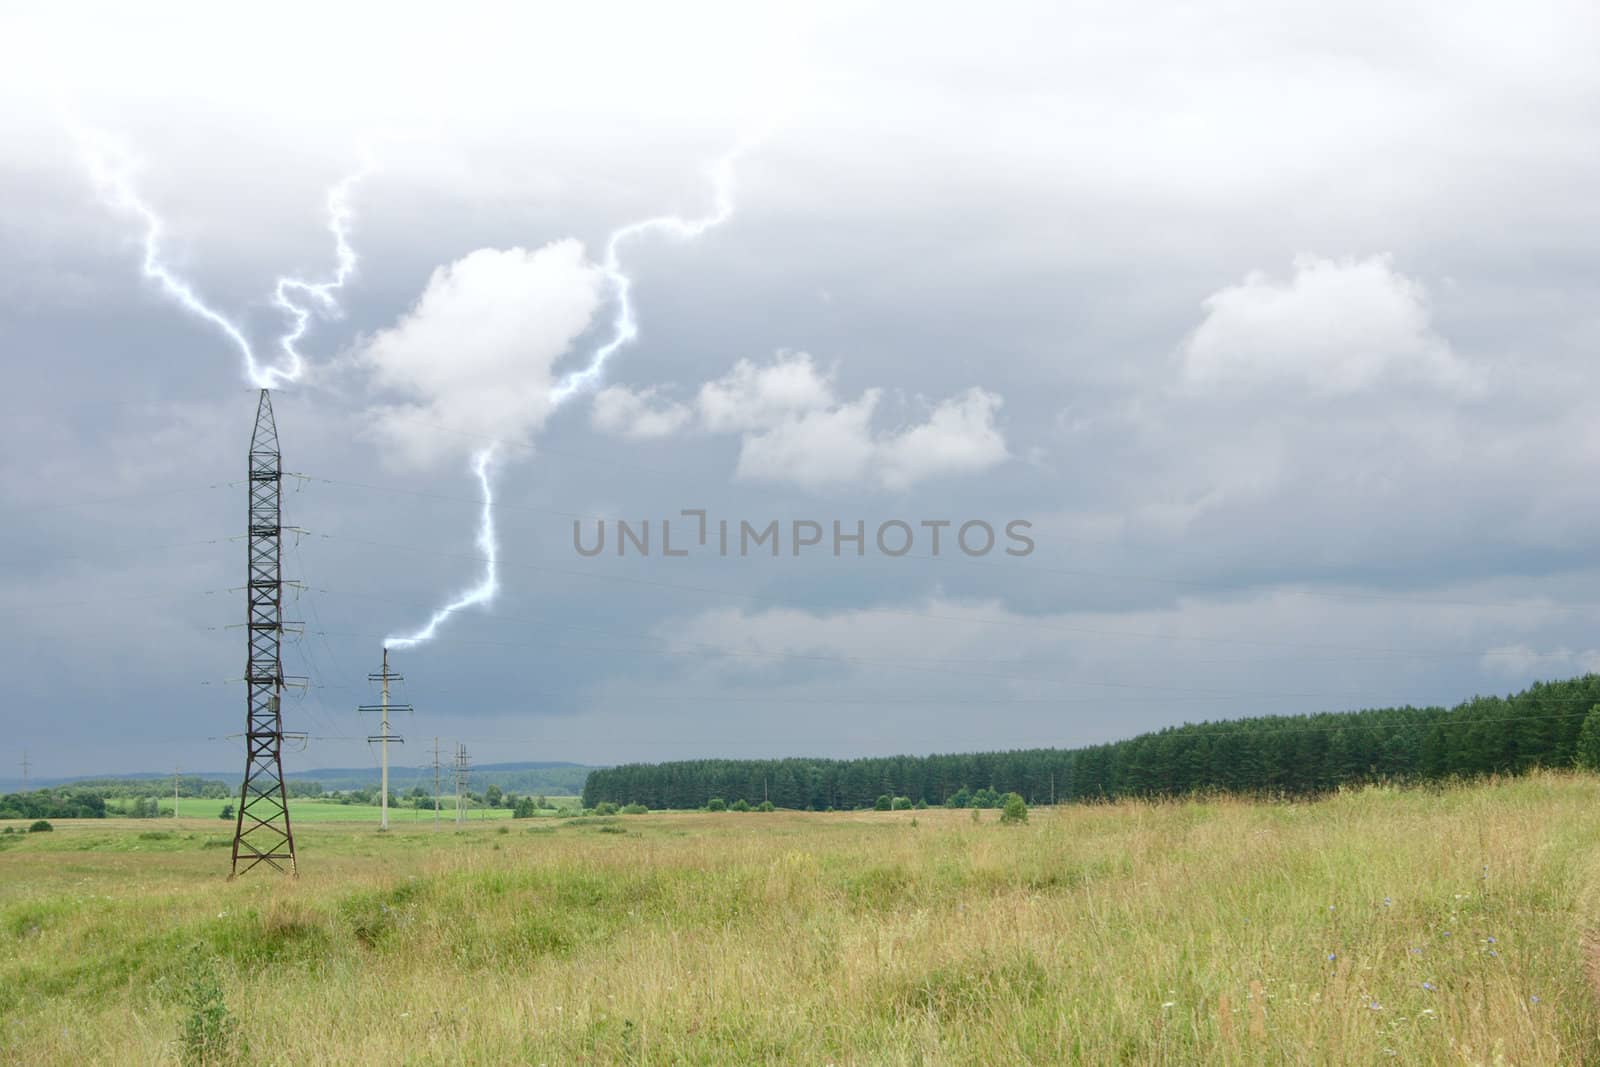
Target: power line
895,612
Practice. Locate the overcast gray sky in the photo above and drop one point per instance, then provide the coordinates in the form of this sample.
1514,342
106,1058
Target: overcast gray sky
1277,321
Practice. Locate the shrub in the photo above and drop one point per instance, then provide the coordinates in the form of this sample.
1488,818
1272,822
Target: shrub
740,805
766,805
526,808
902,803
209,1034
605,807
883,804
226,812
635,809
1013,810
961,798
40,827
716,804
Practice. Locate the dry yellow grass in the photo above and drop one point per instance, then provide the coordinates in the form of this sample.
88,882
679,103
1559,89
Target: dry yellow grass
1374,926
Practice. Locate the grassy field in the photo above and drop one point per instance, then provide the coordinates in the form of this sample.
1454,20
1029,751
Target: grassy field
310,809
1374,926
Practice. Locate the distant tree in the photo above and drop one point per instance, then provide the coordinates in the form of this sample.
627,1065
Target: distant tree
1589,740
902,803
959,799
492,795
1014,810
525,809
541,803
40,827
766,805
739,805
716,804
884,803
226,812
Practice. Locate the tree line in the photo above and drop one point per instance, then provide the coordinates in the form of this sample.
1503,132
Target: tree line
1279,755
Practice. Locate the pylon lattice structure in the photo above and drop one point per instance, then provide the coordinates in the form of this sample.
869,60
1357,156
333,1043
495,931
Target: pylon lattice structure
262,833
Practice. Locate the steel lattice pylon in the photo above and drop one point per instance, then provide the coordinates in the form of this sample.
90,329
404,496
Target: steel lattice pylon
262,833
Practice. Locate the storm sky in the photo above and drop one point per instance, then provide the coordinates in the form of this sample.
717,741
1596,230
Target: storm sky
1278,322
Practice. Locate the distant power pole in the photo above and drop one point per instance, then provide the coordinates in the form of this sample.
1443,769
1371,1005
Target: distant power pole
383,737
435,783
25,766
176,771
463,767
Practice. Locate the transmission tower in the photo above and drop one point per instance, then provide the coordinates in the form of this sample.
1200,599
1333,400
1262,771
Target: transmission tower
383,738
262,833
25,765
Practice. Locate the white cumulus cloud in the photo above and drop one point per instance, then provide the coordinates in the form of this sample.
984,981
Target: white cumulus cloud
795,428
638,416
1335,326
472,357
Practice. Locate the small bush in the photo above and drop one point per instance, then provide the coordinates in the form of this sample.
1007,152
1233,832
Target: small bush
1013,810
716,804
40,827
635,809
605,807
884,803
766,805
209,1034
740,805
226,812
902,803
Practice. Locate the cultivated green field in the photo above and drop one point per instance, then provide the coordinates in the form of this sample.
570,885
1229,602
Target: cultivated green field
309,809
1372,927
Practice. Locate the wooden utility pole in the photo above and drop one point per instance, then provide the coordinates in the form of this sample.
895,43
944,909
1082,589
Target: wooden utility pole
25,766
176,771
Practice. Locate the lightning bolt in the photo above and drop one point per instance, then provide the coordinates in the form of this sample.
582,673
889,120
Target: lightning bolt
111,167
489,584
624,331
321,293
625,321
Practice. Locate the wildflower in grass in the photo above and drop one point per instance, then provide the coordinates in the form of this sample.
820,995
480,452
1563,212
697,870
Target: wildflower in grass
1387,902
1429,986
1332,956
1168,1003
1491,940
1534,999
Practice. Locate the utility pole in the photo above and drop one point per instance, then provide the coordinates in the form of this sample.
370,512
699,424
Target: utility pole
25,766
435,783
463,767
176,771
383,737
262,833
